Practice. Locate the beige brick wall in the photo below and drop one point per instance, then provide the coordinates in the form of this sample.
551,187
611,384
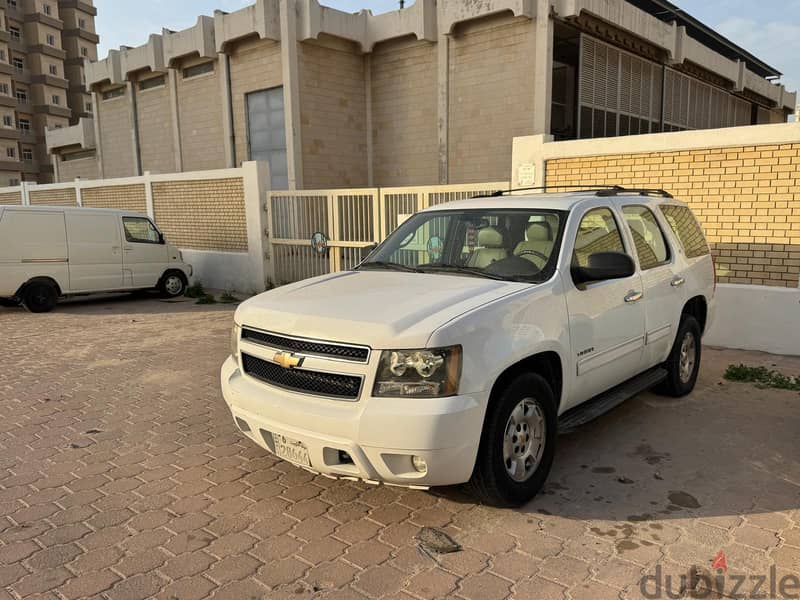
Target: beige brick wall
123,197
59,197
202,215
491,95
332,114
747,198
154,117
115,137
200,114
255,65
11,198
85,168
404,113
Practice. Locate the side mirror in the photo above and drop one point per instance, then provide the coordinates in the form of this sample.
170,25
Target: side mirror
161,239
603,266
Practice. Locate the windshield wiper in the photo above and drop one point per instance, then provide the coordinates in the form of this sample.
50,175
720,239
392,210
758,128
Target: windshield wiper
474,271
389,265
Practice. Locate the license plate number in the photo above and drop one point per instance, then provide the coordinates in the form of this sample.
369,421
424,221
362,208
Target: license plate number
291,450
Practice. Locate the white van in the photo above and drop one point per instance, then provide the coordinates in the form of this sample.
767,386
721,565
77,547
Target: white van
47,252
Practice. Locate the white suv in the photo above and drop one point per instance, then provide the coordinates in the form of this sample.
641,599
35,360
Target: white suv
472,336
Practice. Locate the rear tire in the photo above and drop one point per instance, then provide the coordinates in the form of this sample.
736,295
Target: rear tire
172,284
40,296
683,364
517,444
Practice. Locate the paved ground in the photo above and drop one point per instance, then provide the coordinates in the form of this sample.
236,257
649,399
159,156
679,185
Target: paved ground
122,475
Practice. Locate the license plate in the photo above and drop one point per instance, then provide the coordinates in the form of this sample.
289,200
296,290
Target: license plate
291,450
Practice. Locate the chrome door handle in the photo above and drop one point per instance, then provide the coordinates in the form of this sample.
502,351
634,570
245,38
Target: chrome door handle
633,297
677,282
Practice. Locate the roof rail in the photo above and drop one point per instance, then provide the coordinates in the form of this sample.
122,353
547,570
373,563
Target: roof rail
583,188
600,190
637,191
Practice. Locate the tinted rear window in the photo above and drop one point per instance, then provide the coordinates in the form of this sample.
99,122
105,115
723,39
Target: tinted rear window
685,225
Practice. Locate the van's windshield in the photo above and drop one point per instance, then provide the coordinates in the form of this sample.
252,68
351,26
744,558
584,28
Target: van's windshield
510,244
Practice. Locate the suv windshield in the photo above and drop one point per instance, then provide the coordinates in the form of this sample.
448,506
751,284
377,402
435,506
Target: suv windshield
507,244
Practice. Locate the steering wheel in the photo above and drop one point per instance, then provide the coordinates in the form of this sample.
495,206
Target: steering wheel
535,253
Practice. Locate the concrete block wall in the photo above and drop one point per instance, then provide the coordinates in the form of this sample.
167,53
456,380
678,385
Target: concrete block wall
116,141
54,197
11,198
201,119
491,95
403,88
85,168
122,197
207,214
746,197
333,113
154,120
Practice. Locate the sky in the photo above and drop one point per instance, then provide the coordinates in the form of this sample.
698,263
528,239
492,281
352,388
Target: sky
770,29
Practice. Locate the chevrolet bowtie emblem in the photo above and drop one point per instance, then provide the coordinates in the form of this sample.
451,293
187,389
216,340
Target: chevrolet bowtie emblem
287,360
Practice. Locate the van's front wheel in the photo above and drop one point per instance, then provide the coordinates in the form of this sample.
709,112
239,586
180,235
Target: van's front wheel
172,284
40,296
518,443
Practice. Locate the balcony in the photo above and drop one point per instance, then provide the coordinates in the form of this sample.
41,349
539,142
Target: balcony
44,19
9,101
20,75
83,34
80,135
9,133
82,5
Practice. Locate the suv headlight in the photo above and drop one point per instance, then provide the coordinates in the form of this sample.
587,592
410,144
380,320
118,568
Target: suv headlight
235,334
428,373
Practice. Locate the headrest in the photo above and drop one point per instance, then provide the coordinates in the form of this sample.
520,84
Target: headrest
538,232
489,237
637,226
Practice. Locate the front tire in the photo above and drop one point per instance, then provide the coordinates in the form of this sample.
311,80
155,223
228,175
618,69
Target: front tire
172,284
683,364
40,296
517,444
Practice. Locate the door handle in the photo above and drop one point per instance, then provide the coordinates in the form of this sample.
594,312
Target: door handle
633,297
128,248
677,282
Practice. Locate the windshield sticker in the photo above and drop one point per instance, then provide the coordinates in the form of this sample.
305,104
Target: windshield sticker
435,248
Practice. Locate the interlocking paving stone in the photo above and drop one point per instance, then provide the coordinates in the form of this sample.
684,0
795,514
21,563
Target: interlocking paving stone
123,476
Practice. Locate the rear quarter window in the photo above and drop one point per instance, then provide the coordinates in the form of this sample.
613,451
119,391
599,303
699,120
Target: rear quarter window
686,228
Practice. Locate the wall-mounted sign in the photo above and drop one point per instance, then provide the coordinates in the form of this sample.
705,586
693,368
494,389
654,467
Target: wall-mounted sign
319,242
526,175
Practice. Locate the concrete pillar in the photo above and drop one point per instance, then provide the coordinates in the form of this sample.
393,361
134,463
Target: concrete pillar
443,104
148,196
227,109
78,191
134,119
172,81
368,97
543,68
291,93
98,142
256,178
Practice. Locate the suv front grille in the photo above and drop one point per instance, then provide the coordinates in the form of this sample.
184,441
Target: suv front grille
342,352
299,380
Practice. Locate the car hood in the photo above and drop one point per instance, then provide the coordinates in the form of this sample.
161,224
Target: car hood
380,309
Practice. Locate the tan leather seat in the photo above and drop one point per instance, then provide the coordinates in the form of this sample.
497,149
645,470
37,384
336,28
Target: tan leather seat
538,244
491,248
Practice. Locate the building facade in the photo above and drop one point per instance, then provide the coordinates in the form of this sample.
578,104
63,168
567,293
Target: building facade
43,45
433,93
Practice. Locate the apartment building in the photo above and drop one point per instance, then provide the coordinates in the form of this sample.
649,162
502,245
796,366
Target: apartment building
433,93
43,44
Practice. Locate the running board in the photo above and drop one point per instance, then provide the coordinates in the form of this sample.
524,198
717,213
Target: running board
609,400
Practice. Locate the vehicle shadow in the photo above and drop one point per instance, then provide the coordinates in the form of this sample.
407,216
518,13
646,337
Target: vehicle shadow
727,449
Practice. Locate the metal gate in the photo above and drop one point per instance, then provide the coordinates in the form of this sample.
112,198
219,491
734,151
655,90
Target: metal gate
314,232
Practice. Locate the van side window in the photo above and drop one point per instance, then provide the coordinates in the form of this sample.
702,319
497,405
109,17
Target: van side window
140,230
651,245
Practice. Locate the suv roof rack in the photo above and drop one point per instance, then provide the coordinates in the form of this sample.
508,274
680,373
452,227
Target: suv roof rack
600,190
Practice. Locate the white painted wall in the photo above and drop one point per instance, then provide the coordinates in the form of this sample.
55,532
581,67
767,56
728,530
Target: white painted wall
221,270
756,317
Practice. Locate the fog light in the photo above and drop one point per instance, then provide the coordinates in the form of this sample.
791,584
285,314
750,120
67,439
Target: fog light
419,464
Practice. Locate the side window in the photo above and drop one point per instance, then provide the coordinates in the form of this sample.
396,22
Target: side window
140,230
651,247
598,232
686,228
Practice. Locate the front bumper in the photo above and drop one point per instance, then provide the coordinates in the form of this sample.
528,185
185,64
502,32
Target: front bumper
380,435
